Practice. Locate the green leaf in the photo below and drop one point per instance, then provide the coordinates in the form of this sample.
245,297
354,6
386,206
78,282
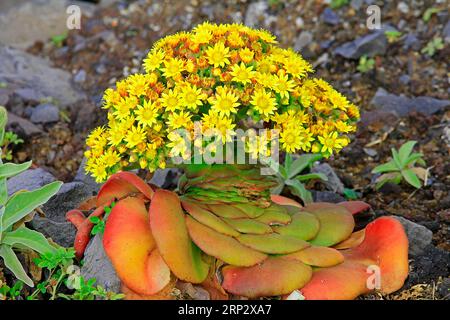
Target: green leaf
282,171
396,158
29,239
288,162
388,177
386,167
3,191
405,150
350,194
13,264
8,170
298,189
301,163
311,176
22,203
411,178
413,158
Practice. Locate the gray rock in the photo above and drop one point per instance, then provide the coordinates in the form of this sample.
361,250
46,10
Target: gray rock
404,79
419,237
97,265
330,17
303,40
68,197
29,95
402,105
88,181
22,126
45,113
255,11
371,45
411,42
25,71
446,32
165,178
30,179
403,7
326,196
63,233
80,77
334,183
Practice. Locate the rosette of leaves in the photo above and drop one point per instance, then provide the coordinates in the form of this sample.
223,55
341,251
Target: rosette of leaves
14,209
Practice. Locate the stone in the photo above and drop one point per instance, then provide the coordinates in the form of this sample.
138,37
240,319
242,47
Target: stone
45,113
334,183
403,7
80,76
402,105
419,237
446,32
326,196
97,265
69,197
329,16
30,180
63,233
86,179
303,40
370,45
166,178
21,126
411,42
255,11
25,71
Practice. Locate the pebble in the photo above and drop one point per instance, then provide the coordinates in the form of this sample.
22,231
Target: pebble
45,113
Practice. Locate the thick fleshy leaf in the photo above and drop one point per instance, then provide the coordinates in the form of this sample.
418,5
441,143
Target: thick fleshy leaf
13,264
209,219
275,276
167,222
355,239
310,207
336,225
355,207
29,239
128,242
8,170
249,226
385,248
251,210
284,201
304,225
157,271
165,294
221,246
273,243
227,211
275,215
318,256
123,184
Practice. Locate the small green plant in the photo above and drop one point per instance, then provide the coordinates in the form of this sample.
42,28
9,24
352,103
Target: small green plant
290,175
99,223
350,194
11,293
393,35
365,64
336,4
9,139
402,167
59,39
429,13
433,46
14,236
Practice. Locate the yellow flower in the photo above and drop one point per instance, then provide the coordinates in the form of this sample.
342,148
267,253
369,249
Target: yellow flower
138,85
99,172
147,113
242,74
116,135
263,102
225,102
179,120
210,119
124,107
329,142
110,158
135,136
172,67
283,85
110,98
218,55
290,140
153,60
170,100
246,55
201,36
191,96
225,127
177,145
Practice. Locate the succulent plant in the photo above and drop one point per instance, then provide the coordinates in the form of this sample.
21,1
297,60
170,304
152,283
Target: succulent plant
226,232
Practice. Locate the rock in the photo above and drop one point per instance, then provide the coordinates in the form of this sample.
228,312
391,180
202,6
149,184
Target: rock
80,77
390,188
303,40
326,196
25,71
88,181
30,180
402,105
29,95
84,116
63,233
411,42
444,288
24,22
193,292
419,237
21,126
330,17
403,7
165,178
97,265
371,45
356,4
334,183
70,196
255,11
404,79
446,32
45,113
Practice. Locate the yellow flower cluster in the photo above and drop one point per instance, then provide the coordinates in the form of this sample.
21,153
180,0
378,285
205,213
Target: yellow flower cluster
222,76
